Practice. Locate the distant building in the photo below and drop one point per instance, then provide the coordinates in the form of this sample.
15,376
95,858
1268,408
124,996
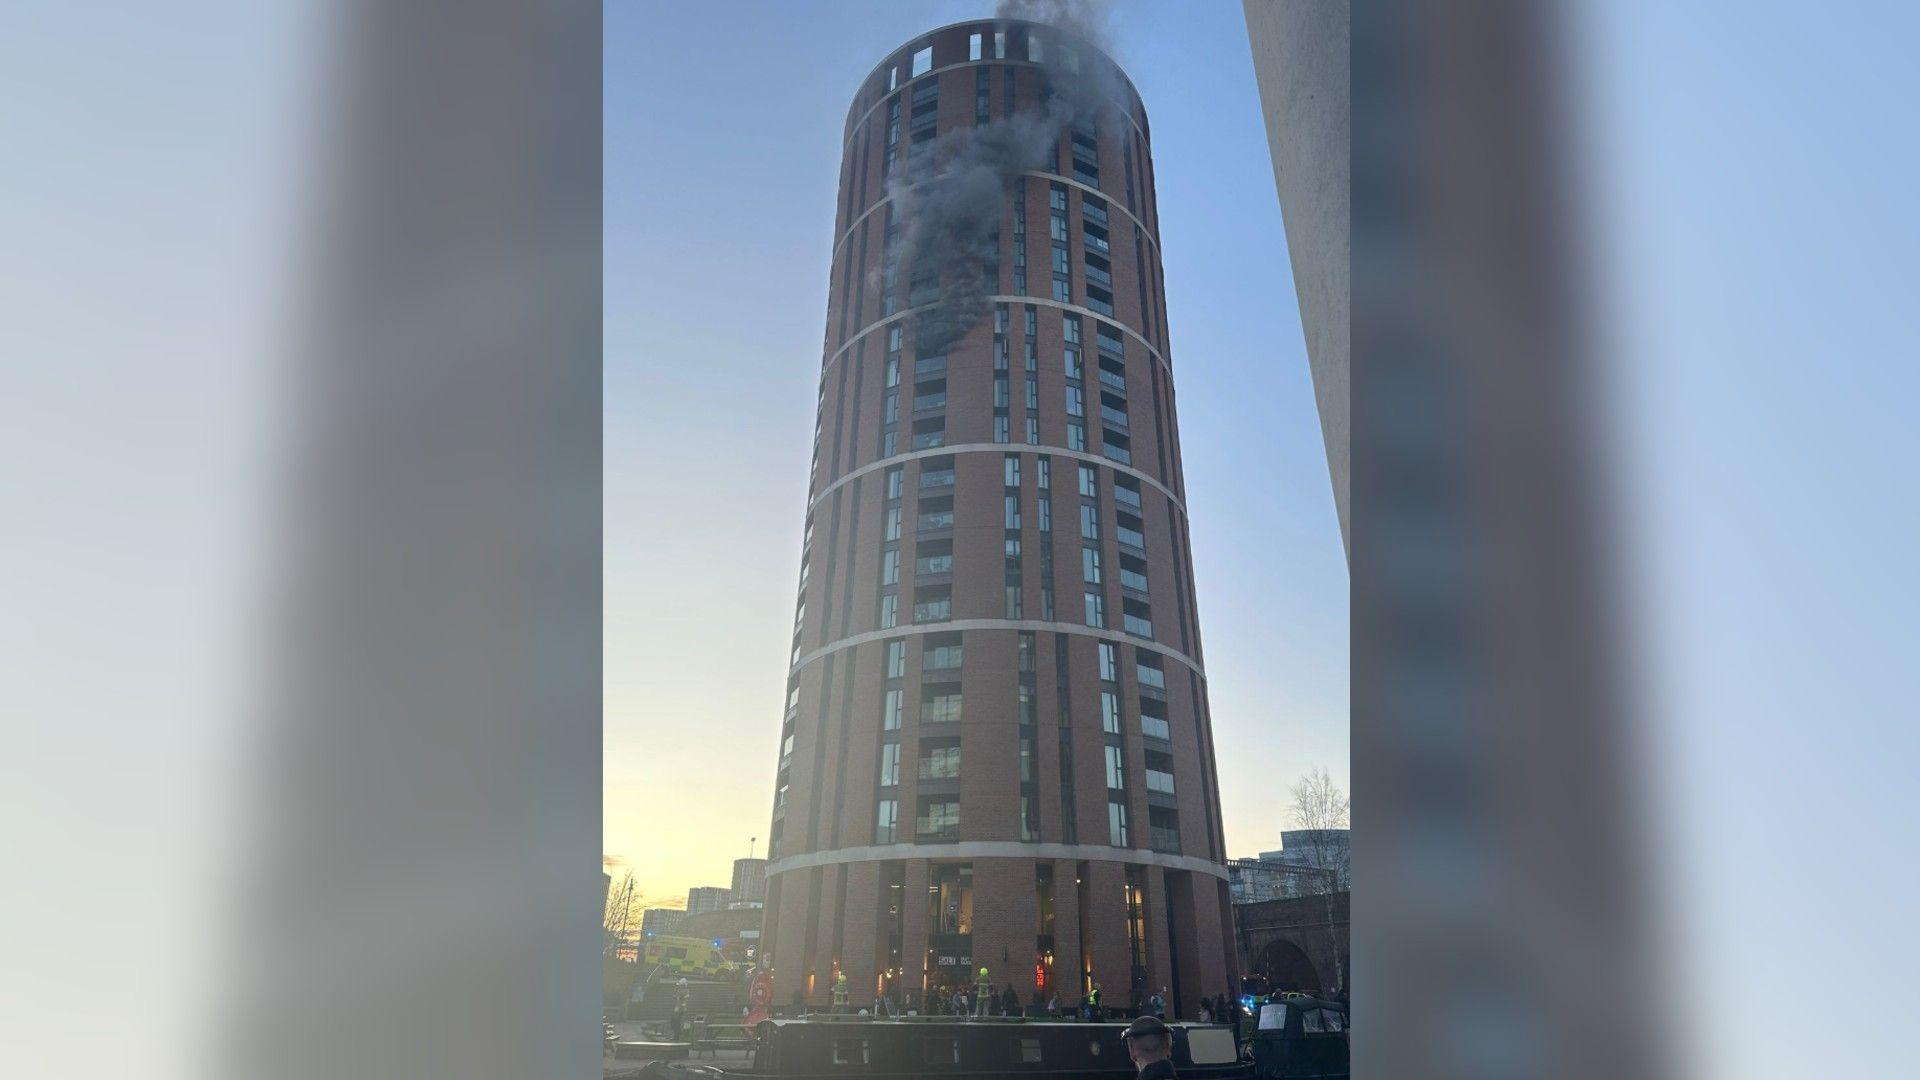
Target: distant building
660,920
706,898
1251,881
1326,849
749,880
1309,862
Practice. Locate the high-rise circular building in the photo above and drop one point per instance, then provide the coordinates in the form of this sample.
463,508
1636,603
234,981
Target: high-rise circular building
996,749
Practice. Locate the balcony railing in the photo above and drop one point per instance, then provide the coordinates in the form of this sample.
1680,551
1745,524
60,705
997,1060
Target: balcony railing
936,829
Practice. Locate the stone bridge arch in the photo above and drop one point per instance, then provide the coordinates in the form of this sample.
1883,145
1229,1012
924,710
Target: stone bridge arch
1301,943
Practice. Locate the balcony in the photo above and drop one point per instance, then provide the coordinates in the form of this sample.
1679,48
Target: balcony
1165,840
935,829
940,767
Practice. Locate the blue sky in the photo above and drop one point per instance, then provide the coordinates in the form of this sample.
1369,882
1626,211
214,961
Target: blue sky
723,125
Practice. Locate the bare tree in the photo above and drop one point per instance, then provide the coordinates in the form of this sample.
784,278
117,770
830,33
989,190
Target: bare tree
624,907
1321,812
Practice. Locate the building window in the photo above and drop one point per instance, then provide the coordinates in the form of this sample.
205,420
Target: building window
1116,769
1159,772
1163,824
1153,718
973,46
939,819
1089,565
1013,511
935,514
1002,427
942,652
933,557
1089,482
940,705
1109,712
1117,824
1109,668
922,61
933,603
890,764
894,482
896,659
1076,435
1150,672
892,529
889,611
886,821
890,712
1096,609
890,567
940,759
1000,46
1089,522
1010,468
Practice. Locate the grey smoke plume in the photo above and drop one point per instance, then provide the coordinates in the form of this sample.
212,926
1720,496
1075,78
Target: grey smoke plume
948,221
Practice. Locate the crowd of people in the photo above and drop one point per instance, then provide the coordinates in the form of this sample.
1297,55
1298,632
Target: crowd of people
982,999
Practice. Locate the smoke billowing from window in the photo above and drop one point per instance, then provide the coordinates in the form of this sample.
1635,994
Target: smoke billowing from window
949,218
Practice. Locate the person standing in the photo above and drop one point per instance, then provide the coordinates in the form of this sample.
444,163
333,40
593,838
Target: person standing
1093,1003
1010,1002
1157,1004
983,995
1150,1045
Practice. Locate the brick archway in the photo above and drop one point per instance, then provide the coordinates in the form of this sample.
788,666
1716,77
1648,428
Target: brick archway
1286,966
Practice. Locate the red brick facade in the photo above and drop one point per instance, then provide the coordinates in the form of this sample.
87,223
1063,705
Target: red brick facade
1132,913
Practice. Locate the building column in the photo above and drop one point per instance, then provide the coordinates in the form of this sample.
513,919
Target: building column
862,940
1159,948
1006,916
1066,933
913,931
790,961
1105,927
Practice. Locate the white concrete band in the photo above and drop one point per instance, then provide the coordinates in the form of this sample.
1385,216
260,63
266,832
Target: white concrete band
996,849
1002,448
1036,625
1112,204
1038,301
